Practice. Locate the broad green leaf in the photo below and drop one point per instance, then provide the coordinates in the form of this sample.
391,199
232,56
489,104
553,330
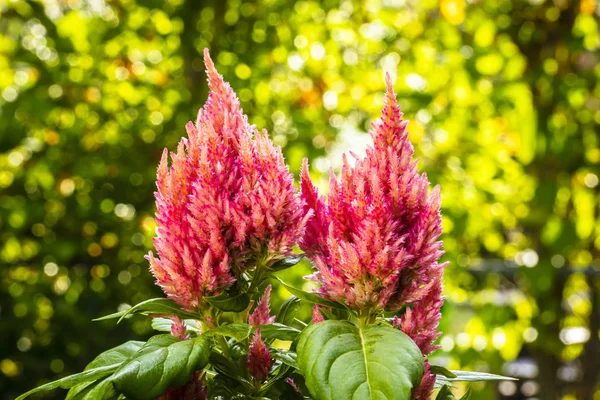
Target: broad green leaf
152,306
227,302
468,376
310,297
278,331
287,357
286,263
237,331
72,380
342,361
164,324
163,362
98,390
439,370
288,310
114,356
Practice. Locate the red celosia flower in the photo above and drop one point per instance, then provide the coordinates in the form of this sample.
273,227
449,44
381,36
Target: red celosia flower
260,315
374,242
226,203
259,359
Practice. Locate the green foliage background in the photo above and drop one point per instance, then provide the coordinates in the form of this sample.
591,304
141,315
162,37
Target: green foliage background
504,102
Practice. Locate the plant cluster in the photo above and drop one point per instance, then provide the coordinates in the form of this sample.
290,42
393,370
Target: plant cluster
228,216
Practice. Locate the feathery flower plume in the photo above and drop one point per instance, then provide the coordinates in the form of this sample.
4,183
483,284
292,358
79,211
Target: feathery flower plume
260,315
420,322
225,203
374,242
425,388
316,315
259,359
178,328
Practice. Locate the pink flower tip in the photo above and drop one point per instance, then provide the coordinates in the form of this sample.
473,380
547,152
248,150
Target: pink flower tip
178,328
260,315
259,359
316,315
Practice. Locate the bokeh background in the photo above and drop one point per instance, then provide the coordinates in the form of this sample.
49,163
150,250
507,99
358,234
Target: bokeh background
504,102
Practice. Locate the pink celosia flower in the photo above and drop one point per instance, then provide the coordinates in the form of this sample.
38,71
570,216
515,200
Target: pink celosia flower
226,202
260,315
178,328
259,359
374,242
420,322
293,384
425,388
316,315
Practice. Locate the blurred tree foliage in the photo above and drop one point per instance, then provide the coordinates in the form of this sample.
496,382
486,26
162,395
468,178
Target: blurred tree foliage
504,102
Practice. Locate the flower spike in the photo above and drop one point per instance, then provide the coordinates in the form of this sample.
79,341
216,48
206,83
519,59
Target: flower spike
374,240
224,204
259,359
260,315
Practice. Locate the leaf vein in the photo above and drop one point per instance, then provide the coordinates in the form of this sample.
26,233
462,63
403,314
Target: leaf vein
364,353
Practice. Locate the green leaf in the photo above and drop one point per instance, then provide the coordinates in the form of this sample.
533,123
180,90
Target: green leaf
445,393
152,306
222,387
228,302
439,370
225,366
164,324
237,331
467,394
286,356
72,380
310,297
163,362
115,356
286,263
98,390
278,331
288,310
468,376
342,361
328,314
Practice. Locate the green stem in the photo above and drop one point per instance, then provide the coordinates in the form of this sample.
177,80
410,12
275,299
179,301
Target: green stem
257,278
224,345
365,317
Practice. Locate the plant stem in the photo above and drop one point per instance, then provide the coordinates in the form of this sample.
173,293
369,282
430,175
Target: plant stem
224,345
257,278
